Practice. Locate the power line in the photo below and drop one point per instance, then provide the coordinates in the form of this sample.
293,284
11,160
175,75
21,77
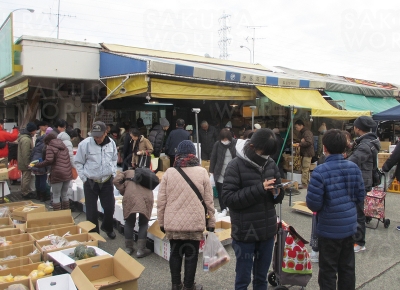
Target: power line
58,18
254,36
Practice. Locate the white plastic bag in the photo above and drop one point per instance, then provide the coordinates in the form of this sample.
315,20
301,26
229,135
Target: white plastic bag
214,255
212,181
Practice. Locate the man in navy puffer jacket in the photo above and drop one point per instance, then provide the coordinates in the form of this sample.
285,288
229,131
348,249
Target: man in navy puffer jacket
335,188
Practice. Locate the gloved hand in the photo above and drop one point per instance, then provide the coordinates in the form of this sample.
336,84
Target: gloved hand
209,229
162,229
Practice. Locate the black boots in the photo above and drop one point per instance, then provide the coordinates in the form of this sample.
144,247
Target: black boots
41,195
177,287
194,287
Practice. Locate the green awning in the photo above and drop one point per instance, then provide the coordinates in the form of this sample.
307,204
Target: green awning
354,102
351,102
382,104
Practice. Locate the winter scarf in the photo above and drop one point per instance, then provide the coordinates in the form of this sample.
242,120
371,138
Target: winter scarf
186,160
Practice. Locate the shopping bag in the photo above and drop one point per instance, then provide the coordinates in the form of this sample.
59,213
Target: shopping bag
214,255
14,174
212,181
154,162
314,237
144,161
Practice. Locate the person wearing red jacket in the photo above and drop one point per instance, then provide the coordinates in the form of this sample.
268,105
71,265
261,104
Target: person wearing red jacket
4,138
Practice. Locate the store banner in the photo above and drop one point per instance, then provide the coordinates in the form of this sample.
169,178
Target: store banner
16,90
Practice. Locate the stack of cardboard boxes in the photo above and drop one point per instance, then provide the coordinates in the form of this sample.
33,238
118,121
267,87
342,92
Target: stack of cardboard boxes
25,251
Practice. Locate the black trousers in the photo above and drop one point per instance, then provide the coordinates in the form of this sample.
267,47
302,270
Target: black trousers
104,192
219,190
189,249
336,258
360,235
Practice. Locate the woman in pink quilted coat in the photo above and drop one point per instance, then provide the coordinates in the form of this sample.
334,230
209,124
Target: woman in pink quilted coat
181,214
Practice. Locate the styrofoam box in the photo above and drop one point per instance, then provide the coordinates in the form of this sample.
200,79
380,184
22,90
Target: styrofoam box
296,177
68,264
59,282
391,148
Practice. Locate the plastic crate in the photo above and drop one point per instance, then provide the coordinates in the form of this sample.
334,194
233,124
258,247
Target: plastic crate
394,187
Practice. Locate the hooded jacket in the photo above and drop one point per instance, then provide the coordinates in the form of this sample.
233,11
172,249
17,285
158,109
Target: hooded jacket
252,209
156,138
63,136
363,156
37,152
25,146
137,199
7,137
57,157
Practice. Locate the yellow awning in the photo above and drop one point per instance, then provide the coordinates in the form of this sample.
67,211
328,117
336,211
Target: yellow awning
16,90
168,89
134,85
310,99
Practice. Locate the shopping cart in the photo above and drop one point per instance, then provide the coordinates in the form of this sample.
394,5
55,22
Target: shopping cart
375,204
291,261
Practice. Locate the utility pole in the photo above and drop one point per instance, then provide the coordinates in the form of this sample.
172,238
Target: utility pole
254,36
224,40
58,18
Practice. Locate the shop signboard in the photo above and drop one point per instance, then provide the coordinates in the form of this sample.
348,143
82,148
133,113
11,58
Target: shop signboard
6,49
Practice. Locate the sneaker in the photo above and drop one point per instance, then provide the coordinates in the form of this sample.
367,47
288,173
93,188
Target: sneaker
398,228
358,248
222,214
314,256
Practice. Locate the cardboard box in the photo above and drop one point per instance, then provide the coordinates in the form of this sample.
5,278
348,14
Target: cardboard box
18,240
16,262
82,227
21,215
385,145
205,163
287,162
160,174
6,222
119,272
63,257
23,270
28,283
43,221
4,173
163,163
382,157
162,246
22,251
13,205
10,232
59,282
88,239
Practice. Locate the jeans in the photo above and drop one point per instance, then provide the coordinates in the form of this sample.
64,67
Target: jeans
360,235
40,183
219,190
130,224
255,256
60,190
336,256
104,192
190,249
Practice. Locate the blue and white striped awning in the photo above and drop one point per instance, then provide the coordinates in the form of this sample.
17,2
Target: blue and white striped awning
116,64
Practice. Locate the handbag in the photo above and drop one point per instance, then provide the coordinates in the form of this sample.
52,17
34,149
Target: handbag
196,191
146,178
144,161
74,173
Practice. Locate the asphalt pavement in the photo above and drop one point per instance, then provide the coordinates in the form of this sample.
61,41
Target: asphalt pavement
376,268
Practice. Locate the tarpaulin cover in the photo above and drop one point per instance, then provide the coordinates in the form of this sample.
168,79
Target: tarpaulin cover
392,114
134,85
310,99
196,91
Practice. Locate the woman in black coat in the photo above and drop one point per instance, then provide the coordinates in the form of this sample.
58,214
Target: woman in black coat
249,192
223,152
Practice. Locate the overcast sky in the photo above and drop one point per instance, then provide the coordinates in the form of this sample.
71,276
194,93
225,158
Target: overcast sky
352,38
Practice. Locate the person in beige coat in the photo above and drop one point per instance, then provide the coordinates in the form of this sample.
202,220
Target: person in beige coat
137,199
181,214
140,147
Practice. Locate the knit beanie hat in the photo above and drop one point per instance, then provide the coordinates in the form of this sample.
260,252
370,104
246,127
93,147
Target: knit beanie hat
364,123
48,130
186,147
164,122
30,127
